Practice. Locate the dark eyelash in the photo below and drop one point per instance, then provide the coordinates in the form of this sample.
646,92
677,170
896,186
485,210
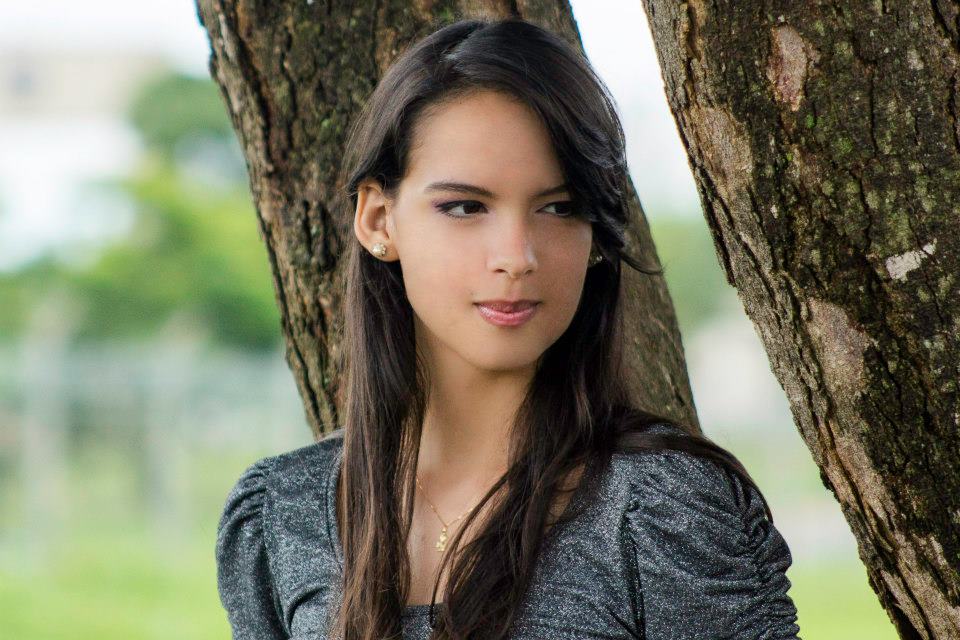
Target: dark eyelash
445,207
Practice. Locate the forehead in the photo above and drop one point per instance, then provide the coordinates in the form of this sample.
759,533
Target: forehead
486,137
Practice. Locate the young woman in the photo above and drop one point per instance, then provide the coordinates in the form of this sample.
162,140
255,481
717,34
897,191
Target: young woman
490,453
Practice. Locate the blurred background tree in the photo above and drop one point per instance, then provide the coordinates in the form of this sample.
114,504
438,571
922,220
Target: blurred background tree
192,247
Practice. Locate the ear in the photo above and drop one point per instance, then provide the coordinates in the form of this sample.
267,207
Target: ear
371,221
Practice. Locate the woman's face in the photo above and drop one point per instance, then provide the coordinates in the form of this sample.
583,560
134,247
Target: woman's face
507,236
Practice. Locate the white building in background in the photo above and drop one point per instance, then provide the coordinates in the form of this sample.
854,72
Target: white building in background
67,72
76,84
61,128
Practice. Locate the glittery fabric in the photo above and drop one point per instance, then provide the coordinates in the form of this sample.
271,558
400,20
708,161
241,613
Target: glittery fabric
668,547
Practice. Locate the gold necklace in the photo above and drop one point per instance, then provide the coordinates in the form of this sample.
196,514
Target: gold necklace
441,543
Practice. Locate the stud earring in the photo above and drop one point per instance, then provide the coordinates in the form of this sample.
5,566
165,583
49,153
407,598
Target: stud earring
595,258
379,249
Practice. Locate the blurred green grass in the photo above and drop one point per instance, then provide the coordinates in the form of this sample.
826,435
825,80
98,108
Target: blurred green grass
107,584
834,601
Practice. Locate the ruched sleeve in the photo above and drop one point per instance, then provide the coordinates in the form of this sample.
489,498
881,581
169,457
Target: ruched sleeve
710,563
243,568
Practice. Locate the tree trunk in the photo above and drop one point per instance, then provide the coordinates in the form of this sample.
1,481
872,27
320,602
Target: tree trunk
294,74
825,143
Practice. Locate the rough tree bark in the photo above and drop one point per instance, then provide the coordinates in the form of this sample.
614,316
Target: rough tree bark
293,74
825,143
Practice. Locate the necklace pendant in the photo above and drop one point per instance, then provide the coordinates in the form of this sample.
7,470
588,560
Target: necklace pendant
442,541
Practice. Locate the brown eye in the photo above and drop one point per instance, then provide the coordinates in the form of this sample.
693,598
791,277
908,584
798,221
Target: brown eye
446,207
565,208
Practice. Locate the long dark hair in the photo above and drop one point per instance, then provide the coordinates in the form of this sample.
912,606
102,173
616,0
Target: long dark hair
577,409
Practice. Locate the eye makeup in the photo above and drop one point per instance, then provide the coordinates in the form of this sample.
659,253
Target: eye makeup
445,207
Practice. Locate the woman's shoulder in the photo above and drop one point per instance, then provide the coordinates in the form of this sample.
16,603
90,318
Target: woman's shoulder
315,456
289,475
674,472
680,493
298,471
263,512
700,534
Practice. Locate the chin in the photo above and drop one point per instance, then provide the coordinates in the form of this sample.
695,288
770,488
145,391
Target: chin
511,361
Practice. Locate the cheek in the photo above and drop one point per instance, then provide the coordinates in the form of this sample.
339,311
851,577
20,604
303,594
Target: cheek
566,266
437,279
437,284
565,284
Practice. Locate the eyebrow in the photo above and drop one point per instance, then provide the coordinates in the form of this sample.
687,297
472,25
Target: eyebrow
461,187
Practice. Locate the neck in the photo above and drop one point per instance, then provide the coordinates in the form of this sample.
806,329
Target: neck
466,434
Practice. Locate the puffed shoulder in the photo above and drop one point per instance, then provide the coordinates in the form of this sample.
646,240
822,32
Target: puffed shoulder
244,577
709,562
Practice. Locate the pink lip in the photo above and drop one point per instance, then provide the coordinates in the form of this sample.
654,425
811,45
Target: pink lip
507,319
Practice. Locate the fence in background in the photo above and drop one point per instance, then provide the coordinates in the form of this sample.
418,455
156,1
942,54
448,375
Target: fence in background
158,404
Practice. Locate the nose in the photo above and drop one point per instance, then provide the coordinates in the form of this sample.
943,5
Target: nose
513,247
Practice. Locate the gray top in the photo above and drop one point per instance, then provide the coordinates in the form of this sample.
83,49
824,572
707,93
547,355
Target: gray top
671,547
